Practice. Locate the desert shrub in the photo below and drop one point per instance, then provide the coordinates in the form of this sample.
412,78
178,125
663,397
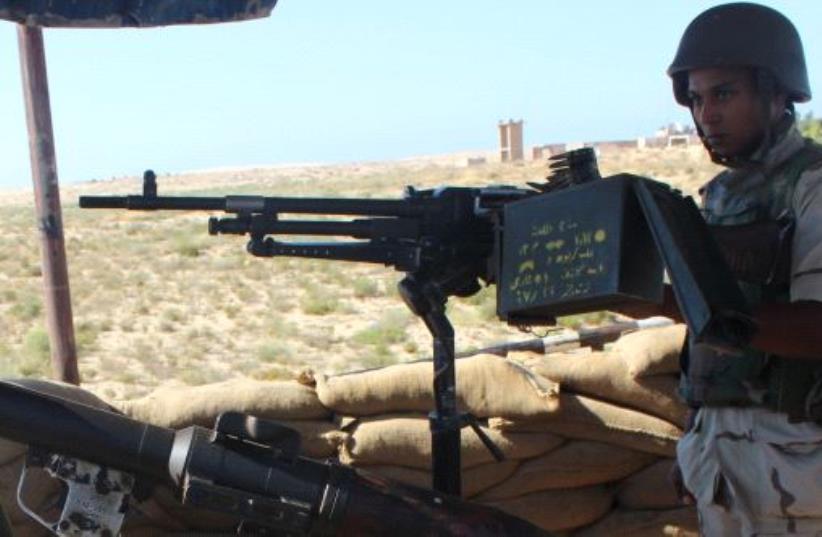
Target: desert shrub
8,295
273,351
317,301
188,245
27,308
593,318
172,315
388,330
36,353
85,336
811,127
365,287
200,374
8,366
126,376
483,303
378,356
272,373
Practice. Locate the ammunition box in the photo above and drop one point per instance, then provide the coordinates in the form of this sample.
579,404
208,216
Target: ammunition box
581,249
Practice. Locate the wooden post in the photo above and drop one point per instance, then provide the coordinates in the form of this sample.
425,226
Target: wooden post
47,203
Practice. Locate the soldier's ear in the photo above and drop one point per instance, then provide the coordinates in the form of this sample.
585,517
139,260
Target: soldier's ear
780,105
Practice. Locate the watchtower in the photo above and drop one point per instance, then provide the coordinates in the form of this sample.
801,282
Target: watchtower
510,140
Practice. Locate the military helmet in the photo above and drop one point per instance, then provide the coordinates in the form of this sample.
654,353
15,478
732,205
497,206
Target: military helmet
742,35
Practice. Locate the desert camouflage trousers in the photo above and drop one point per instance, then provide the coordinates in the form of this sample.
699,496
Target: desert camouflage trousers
753,473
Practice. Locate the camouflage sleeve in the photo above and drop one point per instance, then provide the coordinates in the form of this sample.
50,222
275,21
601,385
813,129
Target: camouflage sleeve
806,262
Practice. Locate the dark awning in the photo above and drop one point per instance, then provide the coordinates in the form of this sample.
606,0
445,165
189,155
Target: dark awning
130,13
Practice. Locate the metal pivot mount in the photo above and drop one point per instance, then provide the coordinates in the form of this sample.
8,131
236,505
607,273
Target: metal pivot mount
426,300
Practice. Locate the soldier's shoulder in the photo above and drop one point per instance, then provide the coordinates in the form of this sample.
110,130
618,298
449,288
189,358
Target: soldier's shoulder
809,181
814,151
714,182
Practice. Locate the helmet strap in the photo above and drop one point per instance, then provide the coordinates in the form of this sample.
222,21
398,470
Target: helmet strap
766,87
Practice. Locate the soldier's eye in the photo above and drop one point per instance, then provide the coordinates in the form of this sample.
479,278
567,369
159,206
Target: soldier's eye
724,94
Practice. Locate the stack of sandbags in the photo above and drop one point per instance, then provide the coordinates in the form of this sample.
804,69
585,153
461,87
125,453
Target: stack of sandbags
640,371
565,453
588,437
621,415
388,430
578,458
287,402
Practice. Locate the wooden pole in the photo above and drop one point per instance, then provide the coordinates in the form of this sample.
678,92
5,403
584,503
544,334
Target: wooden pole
47,204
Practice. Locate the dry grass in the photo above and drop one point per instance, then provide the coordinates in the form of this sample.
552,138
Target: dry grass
155,298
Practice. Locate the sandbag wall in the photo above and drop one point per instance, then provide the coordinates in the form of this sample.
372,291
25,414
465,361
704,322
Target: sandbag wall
588,437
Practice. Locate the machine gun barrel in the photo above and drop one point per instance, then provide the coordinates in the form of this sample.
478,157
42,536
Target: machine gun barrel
265,205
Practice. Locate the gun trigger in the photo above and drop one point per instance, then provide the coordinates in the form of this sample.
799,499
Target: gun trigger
96,497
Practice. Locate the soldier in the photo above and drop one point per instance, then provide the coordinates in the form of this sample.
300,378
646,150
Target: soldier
752,457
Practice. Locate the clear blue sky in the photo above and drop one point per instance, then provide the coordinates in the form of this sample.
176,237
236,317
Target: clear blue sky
323,81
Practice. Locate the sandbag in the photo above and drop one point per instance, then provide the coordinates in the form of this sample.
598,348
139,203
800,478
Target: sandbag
181,406
405,439
650,488
575,464
680,522
605,375
487,385
474,480
654,351
560,509
589,419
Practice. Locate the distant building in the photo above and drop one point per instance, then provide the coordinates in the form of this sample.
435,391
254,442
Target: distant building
539,152
672,135
510,141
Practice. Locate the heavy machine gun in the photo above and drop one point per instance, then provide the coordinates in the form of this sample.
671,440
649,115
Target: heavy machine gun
573,244
443,239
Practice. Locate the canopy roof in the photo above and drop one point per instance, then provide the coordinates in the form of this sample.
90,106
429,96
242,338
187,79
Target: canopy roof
131,13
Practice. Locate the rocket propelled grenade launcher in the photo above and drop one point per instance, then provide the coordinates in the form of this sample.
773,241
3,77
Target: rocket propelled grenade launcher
246,468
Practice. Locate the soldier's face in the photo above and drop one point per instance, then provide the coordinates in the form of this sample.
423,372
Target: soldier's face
726,106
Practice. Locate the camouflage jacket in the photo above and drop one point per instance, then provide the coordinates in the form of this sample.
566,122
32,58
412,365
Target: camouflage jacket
775,184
